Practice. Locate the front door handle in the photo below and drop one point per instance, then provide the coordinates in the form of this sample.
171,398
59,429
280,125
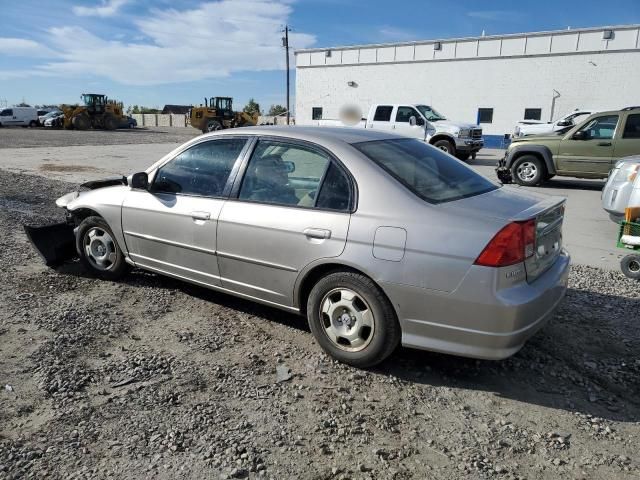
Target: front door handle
201,215
319,233
604,144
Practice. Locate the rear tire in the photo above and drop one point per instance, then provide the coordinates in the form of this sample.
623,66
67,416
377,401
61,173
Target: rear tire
99,251
352,319
33,124
528,171
446,146
630,266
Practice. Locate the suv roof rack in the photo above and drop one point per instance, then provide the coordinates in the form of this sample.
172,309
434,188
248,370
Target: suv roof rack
637,107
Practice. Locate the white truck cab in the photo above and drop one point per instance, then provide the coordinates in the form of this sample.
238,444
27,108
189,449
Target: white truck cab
421,121
19,116
524,128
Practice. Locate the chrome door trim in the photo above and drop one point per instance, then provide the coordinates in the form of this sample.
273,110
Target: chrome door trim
255,261
170,242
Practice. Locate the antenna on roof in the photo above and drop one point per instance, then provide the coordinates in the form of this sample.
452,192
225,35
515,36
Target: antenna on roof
482,33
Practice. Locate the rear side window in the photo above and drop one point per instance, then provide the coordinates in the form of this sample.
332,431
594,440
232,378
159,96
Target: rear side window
383,113
632,127
335,192
426,171
7,112
201,170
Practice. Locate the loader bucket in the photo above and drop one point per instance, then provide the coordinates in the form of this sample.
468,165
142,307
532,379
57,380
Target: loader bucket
55,243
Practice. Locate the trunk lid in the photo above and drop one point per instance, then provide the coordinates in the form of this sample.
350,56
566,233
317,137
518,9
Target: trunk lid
506,205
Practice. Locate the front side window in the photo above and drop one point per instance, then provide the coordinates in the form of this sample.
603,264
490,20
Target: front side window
292,174
405,113
601,128
383,113
201,170
632,127
426,171
316,113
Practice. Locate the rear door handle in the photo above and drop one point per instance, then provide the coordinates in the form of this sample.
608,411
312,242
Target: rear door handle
201,215
319,233
604,144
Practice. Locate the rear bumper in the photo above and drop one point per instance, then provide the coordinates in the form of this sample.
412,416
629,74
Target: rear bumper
477,320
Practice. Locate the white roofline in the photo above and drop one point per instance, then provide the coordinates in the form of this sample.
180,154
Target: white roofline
466,39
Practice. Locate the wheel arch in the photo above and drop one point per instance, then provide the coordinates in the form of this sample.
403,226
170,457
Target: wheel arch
443,136
313,273
540,151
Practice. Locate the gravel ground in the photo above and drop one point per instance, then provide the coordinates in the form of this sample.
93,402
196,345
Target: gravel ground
152,378
49,137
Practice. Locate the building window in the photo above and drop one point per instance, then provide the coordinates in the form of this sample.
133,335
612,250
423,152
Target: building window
485,115
316,113
383,113
532,113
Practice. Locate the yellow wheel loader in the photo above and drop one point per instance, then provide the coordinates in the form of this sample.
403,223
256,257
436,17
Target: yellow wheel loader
97,111
217,113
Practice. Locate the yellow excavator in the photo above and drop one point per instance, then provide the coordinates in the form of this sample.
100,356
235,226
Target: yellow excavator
217,113
97,111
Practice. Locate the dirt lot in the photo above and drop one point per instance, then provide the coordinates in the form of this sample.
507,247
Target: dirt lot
50,137
152,378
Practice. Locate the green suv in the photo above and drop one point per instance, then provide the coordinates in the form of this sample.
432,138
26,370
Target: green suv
588,150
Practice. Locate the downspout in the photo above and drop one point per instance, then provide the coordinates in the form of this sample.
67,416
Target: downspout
556,94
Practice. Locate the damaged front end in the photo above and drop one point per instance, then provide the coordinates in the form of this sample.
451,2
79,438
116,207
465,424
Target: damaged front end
56,243
503,172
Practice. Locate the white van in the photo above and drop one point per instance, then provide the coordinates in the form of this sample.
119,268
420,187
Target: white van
22,116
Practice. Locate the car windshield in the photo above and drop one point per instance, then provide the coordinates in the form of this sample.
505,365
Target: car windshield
430,114
428,172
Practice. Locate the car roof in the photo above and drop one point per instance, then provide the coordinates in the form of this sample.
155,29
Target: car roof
314,134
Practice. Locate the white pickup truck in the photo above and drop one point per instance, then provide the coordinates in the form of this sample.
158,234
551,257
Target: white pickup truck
524,128
461,139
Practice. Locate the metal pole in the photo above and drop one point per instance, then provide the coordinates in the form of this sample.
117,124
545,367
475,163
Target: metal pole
286,47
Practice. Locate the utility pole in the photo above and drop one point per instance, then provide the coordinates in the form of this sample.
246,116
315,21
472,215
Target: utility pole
285,44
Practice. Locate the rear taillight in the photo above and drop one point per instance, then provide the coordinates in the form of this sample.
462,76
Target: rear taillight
513,244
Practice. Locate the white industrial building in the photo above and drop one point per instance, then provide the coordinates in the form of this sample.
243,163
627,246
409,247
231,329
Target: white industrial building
492,80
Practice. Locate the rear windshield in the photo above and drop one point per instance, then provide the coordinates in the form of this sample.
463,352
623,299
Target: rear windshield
428,172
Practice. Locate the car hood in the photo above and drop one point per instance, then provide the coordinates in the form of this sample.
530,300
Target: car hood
536,139
504,204
454,124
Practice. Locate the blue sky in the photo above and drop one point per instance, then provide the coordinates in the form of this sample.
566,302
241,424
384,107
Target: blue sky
152,52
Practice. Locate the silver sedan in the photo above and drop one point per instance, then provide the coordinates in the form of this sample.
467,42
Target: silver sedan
377,239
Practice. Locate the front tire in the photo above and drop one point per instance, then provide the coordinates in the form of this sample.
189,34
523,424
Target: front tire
33,124
463,156
630,266
528,171
446,146
352,319
81,122
98,250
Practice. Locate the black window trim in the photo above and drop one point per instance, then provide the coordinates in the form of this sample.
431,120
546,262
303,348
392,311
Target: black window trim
229,183
234,195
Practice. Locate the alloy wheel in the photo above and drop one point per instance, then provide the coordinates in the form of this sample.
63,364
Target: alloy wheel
100,249
347,319
527,171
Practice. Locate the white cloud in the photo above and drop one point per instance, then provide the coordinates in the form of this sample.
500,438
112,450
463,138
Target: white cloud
20,47
213,40
107,8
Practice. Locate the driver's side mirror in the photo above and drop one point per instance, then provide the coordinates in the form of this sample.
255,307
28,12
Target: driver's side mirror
140,181
413,121
581,135
564,123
